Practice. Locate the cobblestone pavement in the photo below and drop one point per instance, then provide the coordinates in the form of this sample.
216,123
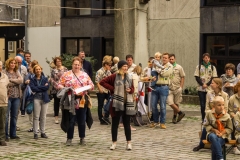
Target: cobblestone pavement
176,142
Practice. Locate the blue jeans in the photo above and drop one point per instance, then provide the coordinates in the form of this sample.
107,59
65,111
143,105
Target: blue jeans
216,147
202,99
159,93
101,97
154,74
12,111
80,117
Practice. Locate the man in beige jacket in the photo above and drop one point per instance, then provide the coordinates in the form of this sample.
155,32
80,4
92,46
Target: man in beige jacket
3,104
160,93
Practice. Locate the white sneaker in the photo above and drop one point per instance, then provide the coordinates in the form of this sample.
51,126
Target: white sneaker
129,147
113,146
236,151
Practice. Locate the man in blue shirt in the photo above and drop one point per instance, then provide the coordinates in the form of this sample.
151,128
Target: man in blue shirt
21,54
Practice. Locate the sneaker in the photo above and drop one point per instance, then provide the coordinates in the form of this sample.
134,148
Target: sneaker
69,142
22,115
132,129
174,120
236,151
153,125
103,123
113,146
162,126
35,136
30,130
82,141
195,149
106,120
15,137
43,135
18,129
3,143
129,147
180,117
120,125
56,121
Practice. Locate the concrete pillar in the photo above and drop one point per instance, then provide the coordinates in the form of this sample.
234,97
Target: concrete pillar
130,30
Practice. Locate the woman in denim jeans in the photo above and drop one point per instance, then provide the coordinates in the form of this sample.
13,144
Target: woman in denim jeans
14,94
39,86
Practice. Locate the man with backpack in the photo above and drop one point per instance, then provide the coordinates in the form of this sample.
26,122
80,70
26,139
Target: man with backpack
204,74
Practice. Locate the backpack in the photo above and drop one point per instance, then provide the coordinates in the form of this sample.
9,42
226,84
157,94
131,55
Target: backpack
137,119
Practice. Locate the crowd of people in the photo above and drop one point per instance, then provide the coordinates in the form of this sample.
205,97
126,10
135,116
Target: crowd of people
117,83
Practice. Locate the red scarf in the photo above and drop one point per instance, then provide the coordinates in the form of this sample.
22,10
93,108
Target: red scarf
218,122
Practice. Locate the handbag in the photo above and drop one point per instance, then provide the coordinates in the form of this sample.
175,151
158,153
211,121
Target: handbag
29,107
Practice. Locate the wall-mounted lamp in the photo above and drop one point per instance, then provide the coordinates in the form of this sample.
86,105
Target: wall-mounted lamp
56,23
16,34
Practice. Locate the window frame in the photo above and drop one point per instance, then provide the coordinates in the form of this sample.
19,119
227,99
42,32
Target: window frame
13,13
77,45
78,6
226,58
205,3
10,46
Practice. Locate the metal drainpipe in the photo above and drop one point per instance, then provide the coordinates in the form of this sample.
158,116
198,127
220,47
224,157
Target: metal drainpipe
26,24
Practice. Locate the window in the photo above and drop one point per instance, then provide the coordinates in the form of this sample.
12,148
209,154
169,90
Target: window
216,45
109,4
84,45
223,48
71,46
221,2
16,13
73,4
109,47
74,46
10,46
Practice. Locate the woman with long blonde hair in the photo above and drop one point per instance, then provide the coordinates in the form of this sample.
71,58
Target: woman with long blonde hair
121,88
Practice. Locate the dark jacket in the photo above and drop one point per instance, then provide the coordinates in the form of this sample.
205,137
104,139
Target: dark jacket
42,88
108,83
87,68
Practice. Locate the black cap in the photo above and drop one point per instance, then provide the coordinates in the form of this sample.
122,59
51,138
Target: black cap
121,63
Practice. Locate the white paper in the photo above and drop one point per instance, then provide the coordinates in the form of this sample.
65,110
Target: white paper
81,89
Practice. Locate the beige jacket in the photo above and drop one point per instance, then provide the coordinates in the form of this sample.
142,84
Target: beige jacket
209,100
234,104
3,89
165,74
210,122
236,122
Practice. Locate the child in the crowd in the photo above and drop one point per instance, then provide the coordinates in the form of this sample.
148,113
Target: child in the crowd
114,68
234,112
219,127
237,126
157,68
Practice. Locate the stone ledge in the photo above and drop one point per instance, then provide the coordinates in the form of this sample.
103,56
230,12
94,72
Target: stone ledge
190,99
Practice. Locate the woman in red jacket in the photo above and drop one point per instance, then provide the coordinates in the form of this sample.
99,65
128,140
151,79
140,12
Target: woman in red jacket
121,87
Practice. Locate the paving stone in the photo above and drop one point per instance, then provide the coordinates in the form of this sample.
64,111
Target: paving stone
176,142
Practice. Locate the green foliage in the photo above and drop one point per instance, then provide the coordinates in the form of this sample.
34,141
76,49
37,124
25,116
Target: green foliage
67,60
190,90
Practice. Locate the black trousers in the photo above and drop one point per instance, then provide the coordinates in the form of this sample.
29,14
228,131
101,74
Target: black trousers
126,124
56,104
202,99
